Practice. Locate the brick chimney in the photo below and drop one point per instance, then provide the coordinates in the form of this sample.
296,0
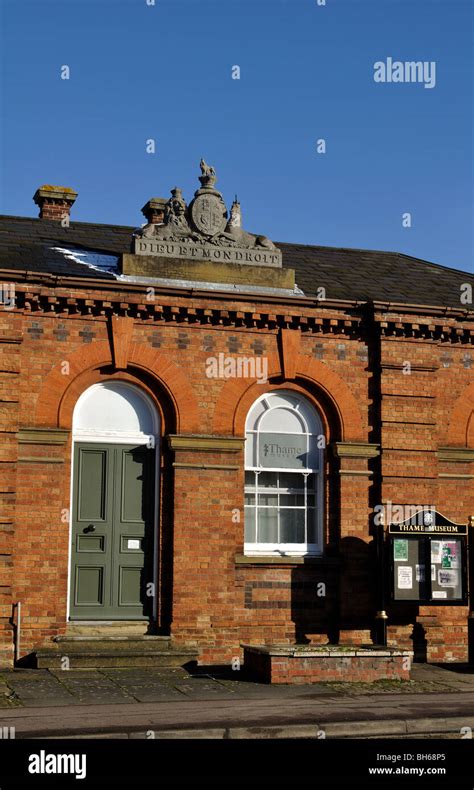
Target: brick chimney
154,210
54,202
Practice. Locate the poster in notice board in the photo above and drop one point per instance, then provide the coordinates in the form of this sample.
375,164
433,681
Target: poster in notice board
428,570
446,584
409,582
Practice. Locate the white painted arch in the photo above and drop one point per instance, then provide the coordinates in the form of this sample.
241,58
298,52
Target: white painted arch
115,411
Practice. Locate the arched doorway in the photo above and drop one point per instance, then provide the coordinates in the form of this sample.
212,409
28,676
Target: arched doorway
113,505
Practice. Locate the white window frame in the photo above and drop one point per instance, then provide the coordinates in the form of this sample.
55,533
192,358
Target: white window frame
301,406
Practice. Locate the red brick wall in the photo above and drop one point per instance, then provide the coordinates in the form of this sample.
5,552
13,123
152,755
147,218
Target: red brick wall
10,339
352,374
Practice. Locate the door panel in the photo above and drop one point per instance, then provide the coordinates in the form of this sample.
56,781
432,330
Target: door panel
133,544
129,585
92,528
90,543
112,531
133,471
89,586
93,484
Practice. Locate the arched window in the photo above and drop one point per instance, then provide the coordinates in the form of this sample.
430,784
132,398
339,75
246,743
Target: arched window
283,476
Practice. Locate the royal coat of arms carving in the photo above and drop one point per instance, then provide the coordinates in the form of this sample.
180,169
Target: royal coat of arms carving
202,226
209,214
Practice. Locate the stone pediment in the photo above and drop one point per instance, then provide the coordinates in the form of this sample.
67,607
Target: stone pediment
204,231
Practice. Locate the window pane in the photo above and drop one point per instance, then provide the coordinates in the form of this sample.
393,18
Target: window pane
311,500
312,526
268,499
282,399
314,455
287,480
249,518
292,500
267,480
256,411
251,449
311,482
292,526
286,420
250,499
268,525
250,479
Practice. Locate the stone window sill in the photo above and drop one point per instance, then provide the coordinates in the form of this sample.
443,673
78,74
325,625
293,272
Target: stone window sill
272,559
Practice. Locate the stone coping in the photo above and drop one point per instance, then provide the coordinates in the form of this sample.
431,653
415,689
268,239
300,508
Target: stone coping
327,651
274,559
456,454
42,436
219,444
53,192
356,449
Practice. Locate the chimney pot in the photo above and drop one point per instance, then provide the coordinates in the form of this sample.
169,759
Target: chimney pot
54,202
154,210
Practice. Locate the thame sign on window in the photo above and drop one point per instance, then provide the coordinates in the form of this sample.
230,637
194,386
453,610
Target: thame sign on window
283,451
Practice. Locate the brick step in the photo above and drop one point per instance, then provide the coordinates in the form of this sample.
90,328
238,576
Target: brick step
105,653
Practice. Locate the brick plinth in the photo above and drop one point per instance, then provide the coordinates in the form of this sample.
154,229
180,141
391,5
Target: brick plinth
307,664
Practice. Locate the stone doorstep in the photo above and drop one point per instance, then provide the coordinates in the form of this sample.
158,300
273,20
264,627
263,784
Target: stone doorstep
101,658
113,646
101,652
114,639
101,645
107,628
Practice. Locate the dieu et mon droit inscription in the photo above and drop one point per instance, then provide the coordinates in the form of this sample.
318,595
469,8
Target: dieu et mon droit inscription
206,252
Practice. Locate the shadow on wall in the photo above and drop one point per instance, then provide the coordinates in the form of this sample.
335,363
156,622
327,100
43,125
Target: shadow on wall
336,602
335,597
420,643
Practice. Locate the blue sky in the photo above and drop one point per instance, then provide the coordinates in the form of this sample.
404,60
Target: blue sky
140,71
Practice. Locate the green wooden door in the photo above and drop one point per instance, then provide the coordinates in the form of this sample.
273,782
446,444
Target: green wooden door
112,532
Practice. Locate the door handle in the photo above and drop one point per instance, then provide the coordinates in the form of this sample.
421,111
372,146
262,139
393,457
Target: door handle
90,528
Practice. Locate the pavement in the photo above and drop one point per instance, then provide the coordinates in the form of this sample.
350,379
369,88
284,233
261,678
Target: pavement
216,702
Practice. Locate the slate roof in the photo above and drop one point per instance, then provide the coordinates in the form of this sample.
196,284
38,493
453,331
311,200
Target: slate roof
347,274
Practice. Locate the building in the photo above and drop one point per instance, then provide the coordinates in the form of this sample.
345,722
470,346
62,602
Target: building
134,364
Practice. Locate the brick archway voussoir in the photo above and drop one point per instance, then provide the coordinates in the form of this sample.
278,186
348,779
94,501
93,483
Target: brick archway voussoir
460,432
237,395
60,392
